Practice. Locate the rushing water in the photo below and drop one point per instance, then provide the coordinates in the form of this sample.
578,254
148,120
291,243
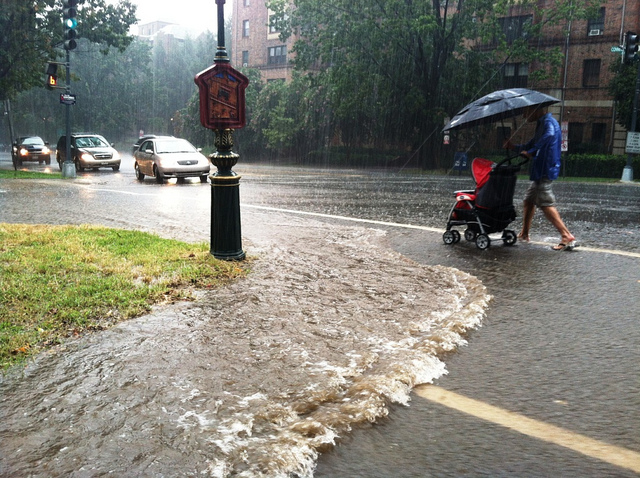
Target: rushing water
251,380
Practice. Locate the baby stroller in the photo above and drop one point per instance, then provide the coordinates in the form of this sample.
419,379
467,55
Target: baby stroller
489,208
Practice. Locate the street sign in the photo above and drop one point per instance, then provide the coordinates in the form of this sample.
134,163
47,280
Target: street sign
616,49
633,143
67,99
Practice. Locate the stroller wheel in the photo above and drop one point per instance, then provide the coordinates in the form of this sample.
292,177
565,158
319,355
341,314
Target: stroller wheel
470,235
482,241
449,238
456,236
509,237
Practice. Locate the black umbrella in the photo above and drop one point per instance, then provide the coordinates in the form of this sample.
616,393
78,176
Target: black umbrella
499,105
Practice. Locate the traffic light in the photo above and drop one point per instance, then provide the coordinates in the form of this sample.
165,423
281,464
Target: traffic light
630,47
52,76
69,12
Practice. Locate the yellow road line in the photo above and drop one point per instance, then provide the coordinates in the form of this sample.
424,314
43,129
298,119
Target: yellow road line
611,454
422,228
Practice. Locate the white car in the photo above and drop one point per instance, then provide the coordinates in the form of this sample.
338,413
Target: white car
168,157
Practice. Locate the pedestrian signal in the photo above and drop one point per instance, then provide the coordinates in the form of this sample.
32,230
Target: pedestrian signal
630,47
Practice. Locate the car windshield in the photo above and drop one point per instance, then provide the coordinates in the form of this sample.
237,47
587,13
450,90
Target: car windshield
35,140
90,142
174,146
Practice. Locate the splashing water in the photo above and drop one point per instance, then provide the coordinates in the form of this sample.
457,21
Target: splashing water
251,380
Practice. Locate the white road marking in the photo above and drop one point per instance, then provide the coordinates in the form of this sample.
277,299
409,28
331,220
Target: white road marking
611,454
422,228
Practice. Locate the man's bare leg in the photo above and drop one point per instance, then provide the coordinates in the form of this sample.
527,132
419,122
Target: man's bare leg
527,218
552,214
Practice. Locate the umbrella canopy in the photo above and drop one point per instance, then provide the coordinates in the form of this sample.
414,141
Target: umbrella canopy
499,105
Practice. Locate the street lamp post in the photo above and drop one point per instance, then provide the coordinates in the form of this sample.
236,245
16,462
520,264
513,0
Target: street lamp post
222,108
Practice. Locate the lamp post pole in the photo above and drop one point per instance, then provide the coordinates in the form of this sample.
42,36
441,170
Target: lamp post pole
68,167
226,234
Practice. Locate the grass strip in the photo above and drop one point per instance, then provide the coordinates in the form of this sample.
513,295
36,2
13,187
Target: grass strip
62,281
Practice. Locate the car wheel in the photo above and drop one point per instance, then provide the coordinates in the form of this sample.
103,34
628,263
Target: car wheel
47,161
139,174
159,178
203,179
181,180
79,167
116,168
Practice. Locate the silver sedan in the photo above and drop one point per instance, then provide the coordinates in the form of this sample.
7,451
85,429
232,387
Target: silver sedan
167,157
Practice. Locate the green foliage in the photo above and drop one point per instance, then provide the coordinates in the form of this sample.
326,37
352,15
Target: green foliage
597,165
32,34
622,88
392,70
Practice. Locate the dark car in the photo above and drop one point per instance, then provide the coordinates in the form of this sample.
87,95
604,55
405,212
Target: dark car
30,148
88,151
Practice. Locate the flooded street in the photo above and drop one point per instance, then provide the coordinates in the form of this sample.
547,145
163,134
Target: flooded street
352,301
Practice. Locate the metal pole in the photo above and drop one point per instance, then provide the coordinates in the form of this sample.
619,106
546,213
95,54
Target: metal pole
226,234
68,168
627,172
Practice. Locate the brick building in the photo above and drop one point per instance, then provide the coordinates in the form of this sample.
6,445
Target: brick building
587,108
256,44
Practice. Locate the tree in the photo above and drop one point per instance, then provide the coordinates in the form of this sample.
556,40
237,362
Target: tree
396,68
32,32
622,88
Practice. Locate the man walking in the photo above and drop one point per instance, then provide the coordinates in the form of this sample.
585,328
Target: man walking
544,151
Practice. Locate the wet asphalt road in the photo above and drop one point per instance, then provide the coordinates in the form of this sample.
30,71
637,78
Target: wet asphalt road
560,342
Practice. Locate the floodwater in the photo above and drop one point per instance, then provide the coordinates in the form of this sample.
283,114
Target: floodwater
256,379
253,379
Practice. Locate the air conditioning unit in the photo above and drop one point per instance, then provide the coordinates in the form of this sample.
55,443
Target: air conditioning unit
595,32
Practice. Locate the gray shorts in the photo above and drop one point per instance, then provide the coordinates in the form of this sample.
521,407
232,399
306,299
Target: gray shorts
540,193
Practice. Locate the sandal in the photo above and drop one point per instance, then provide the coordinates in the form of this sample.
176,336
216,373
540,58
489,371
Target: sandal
565,247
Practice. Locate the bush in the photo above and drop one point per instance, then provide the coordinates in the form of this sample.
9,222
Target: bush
596,165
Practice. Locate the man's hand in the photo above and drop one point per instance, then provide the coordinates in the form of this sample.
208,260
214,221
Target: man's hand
526,154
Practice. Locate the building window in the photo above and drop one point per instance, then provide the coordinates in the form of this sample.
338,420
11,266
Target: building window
273,24
591,73
515,75
599,136
576,136
514,28
595,26
277,55
245,28
245,58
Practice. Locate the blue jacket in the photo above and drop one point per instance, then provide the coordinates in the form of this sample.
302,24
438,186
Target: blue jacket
545,147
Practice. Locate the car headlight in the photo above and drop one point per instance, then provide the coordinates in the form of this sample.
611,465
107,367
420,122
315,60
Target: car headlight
116,155
86,157
24,152
46,150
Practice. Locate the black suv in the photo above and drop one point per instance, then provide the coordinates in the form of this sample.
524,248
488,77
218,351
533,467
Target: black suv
30,148
88,151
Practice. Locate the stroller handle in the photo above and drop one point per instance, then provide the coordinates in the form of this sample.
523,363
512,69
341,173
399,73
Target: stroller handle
508,160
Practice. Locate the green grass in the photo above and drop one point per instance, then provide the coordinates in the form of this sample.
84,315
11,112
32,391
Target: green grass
63,281
11,174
